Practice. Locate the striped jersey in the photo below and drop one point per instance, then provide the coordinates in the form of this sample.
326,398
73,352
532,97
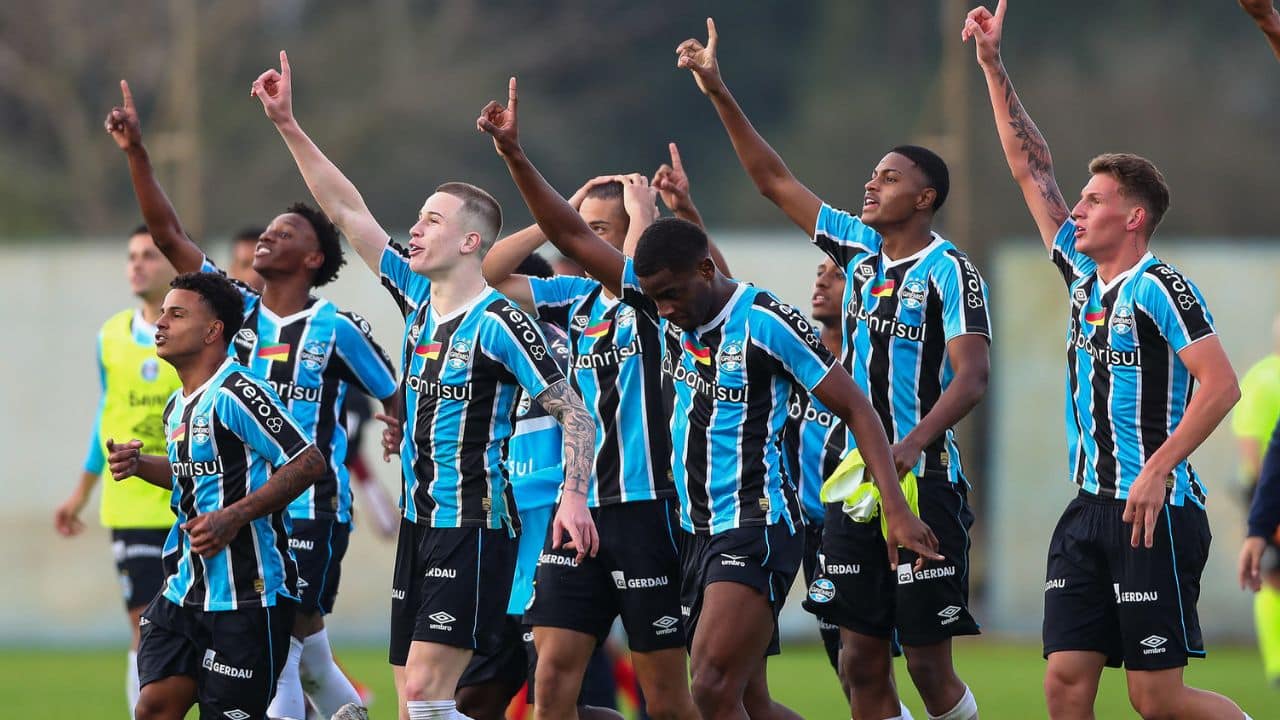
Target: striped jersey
223,440
535,452
1127,389
813,443
617,368
899,315
733,377
463,373
311,358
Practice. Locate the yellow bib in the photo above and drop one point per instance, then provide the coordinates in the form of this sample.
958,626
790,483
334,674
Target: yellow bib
138,385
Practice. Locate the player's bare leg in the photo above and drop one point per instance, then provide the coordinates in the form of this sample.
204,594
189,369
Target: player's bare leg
166,699
1162,694
1071,683
431,674
866,668
665,683
731,638
562,661
933,673
760,705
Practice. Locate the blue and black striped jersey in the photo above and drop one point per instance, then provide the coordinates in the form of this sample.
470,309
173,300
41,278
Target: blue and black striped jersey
733,377
223,441
616,360
899,316
535,453
813,443
463,373
310,359
1127,389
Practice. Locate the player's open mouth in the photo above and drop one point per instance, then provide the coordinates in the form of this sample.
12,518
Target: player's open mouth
414,250
160,338
1079,231
261,249
818,299
869,202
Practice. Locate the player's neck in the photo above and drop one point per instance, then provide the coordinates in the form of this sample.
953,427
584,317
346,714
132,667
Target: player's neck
195,370
721,294
1115,261
287,295
831,337
905,240
455,287
150,310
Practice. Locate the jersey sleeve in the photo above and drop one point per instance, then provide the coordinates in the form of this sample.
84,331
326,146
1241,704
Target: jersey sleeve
364,362
786,335
843,236
1264,511
407,288
95,460
513,340
1251,417
553,297
253,412
965,304
633,295
1175,305
1071,263
209,266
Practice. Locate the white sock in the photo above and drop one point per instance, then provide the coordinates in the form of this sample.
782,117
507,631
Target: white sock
321,678
434,710
289,702
131,688
906,714
966,709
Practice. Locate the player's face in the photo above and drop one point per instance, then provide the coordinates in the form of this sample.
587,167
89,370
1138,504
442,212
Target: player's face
186,325
148,271
439,237
242,257
606,218
682,298
828,293
894,193
1103,216
287,246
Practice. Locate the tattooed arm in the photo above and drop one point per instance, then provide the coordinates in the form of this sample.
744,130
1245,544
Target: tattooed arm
579,431
1024,146
212,531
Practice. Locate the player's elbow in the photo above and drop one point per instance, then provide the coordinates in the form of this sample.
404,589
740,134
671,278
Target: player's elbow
313,466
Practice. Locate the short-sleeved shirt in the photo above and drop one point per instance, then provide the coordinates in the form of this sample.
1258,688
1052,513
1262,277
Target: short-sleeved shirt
733,377
1258,411
899,315
311,359
223,442
616,365
535,452
813,442
463,373
1126,387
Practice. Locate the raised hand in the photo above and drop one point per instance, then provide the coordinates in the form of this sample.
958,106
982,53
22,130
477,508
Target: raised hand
275,90
1258,9
986,30
500,123
581,194
122,122
700,59
639,198
123,459
672,183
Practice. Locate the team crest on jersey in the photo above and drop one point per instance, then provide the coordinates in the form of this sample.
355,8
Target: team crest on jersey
1121,320
626,317
731,357
150,369
200,429
913,294
312,356
459,354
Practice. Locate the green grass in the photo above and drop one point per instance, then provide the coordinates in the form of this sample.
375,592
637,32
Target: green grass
1005,677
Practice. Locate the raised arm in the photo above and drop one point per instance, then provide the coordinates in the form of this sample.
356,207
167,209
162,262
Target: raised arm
336,195
763,165
672,183
162,220
559,221
1268,20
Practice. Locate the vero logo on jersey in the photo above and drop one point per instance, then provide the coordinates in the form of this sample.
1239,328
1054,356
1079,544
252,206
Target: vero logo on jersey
598,330
884,288
274,353
1095,315
430,351
178,434
699,353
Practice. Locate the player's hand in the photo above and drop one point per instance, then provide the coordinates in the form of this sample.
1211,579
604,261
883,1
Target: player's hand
66,519
700,60
908,531
275,90
905,456
639,198
574,518
1258,9
1142,509
986,30
392,435
212,531
500,123
122,122
123,459
672,183
576,199
1251,563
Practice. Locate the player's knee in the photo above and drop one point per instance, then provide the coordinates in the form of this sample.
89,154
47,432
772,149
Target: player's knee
932,676
858,671
150,707
714,686
1153,703
554,681
425,683
1064,691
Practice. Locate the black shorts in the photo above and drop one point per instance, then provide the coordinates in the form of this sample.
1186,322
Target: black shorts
856,589
1137,606
234,656
138,564
635,574
450,586
509,665
319,546
830,632
763,557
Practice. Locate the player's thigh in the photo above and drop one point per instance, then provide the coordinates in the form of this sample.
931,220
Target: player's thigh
661,673
1079,599
733,633
433,670
247,649
646,573
166,699
932,603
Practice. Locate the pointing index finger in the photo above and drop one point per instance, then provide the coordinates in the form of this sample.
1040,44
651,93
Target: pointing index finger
285,72
128,96
1000,8
675,157
511,95
712,38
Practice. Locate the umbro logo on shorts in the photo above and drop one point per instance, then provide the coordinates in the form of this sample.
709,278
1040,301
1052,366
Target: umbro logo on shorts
442,620
949,614
666,625
1154,644
733,560
237,714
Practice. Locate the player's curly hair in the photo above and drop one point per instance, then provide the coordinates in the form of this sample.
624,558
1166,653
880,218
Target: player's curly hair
670,244
327,237
221,296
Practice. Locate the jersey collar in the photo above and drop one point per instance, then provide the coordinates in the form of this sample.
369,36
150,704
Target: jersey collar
724,311
886,262
1104,288
459,311
186,399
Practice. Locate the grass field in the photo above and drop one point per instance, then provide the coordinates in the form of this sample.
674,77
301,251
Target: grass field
1004,677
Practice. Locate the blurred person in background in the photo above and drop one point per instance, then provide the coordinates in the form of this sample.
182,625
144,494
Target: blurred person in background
135,388
243,246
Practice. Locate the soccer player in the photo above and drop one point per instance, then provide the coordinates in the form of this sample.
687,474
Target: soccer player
616,360
467,353
216,635
916,340
135,387
244,247
734,353
311,353
1125,559
1264,13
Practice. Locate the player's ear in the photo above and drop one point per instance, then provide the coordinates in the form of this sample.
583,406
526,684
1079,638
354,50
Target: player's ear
1136,219
214,332
707,268
470,243
926,199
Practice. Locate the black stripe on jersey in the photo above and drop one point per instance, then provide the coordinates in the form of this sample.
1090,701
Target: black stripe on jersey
973,302
1190,310
1101,392
933,353
187,507
402,301
477,430
880,368
1153,386
695,459
424,470
242,555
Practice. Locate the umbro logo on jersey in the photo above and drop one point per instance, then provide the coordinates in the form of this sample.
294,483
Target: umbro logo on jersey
666,625
1153,644
302,583
580,322
733,560
247,335
442,620
865,271
949,614
1079,296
